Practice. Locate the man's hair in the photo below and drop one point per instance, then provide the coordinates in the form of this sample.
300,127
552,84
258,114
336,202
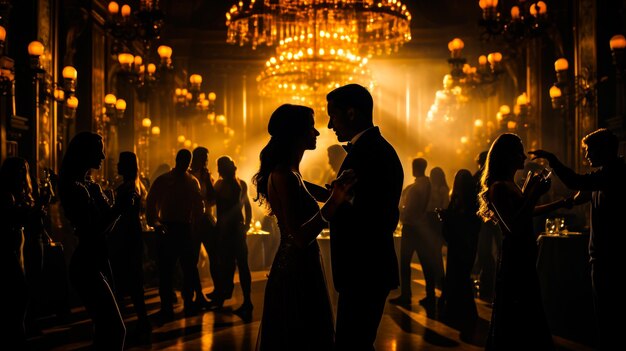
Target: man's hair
602,139
183,159
419,165
355,96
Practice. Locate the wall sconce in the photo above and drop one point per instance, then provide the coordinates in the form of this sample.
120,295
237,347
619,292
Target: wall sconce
114,107
580,89
190,100
618,47
35,50
69,110
120,107
7,76
146,123
125,26
523,103
527,19
144,76
47,90
165,53
465,75
556,96
3,37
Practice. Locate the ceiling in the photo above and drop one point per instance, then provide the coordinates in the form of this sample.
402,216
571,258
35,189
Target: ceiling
197,29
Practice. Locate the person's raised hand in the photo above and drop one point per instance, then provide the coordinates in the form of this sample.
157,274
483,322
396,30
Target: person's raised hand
539,153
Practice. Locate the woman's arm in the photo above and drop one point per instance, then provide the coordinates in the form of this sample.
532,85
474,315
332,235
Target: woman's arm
510,205
283,190
320,193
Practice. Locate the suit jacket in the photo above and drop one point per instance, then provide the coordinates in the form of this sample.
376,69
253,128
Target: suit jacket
361,233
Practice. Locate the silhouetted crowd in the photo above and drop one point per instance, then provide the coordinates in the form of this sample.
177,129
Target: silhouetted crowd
482,225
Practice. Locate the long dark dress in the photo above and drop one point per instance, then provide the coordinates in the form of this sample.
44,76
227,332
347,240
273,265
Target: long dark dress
297,314
460,230
126,254
518,321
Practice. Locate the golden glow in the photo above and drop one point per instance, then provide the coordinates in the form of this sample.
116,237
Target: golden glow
455,46
561,65
515,14
164,51
59,94
151,68
110,99
212,96
155,130
125,59
69,72
146,122
195,79
120,105
617,42
522,99
318,47
482,60
505,109
181,139
555,92
126,11
114,8
487,4
35,48
72,102
511,125
3,33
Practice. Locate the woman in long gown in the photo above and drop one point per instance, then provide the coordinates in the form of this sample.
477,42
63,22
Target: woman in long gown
518,321
17,205
297,313
89,211
126,244
460,227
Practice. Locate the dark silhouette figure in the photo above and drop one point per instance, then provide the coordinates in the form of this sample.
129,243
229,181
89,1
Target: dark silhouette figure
364,263
297,314
126,244
460,227
204,231
489,244
605,188
234,214
159,170
415,233
518,321
336,155
439,199
174,202
16,196
93,218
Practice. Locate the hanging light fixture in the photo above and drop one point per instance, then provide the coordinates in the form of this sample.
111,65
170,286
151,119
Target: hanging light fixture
320,44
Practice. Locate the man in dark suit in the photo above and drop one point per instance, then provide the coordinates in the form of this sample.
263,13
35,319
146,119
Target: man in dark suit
364,263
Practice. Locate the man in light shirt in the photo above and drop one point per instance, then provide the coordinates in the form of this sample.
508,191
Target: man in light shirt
174,201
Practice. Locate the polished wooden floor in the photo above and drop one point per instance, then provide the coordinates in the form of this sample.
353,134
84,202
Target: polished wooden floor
401,329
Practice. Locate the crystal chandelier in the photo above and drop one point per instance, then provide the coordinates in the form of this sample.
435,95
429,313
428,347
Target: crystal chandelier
320,44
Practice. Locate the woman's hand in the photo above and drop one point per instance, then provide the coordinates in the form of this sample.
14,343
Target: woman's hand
342,185
538,185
